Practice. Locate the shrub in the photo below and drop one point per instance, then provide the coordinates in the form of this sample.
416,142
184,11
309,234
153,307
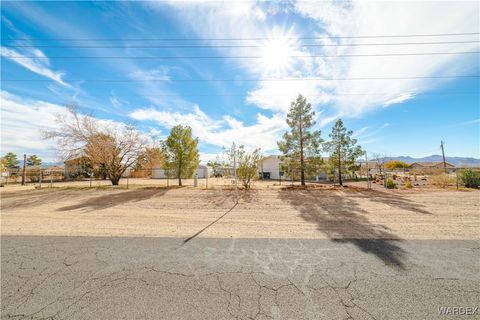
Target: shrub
442,180
470,178
408,184
390,184
395,164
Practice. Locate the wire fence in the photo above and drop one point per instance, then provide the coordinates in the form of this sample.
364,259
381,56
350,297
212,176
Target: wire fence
222,177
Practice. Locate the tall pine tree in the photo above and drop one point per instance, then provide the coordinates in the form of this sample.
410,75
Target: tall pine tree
300,143
343,148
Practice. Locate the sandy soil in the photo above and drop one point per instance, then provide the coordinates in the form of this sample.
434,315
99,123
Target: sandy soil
269,211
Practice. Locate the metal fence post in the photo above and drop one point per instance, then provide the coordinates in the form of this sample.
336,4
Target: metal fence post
206,178
24,172
456,178
40,180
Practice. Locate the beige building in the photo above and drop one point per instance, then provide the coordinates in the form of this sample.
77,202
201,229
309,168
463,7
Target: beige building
431,165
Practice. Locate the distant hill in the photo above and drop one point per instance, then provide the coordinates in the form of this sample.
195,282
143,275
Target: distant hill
44,164
456,161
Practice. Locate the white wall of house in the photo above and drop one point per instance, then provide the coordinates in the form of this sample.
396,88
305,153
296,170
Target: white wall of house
202,172
271,164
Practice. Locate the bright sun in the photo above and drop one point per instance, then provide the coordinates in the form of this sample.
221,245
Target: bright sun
276,55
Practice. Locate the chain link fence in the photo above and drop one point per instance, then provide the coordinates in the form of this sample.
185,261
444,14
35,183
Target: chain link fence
225,178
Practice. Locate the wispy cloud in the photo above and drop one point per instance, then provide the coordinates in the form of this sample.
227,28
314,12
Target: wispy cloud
23,115
466,123
264,133
350,19
343,19
39,65
151,74
29,117
369,135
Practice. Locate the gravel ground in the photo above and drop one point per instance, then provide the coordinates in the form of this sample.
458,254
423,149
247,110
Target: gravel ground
266,212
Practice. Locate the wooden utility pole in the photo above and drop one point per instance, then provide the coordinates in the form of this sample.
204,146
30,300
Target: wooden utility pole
366,169
24,173
443,155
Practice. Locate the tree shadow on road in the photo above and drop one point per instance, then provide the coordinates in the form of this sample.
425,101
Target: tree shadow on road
342,219
116,199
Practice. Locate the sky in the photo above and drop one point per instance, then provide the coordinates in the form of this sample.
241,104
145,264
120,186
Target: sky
402,75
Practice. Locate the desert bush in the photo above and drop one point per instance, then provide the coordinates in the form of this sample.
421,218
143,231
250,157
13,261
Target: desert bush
390,184
408,185
470,178
32,176
395,164
442,180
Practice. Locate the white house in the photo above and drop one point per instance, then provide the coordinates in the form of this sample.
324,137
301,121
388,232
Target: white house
269,168
202,172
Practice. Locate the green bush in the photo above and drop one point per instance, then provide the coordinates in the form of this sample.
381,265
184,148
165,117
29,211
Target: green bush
470,178
390,184
408,185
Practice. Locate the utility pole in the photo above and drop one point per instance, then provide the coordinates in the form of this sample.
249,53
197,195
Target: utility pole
24,174
366,169
443,155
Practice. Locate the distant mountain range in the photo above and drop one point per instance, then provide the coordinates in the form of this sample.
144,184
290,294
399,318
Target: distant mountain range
456,161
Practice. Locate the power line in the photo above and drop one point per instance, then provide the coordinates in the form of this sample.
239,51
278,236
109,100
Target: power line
247,80
252,38
241,57
239,46
316,95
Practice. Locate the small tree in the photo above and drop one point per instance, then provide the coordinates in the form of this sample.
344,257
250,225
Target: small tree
470,178
379,159
247,164
149,159
300,142
33,160
114,148
343,148
10,160
216,165
181,152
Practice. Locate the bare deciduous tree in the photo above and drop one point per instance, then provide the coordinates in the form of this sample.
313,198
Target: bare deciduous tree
379,159
115,148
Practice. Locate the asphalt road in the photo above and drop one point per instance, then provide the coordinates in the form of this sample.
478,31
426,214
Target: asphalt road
164,278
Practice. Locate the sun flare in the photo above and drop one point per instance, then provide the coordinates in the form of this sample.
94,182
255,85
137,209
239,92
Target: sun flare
276,55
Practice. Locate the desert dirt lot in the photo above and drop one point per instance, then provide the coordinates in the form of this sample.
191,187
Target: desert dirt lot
267,211
275,252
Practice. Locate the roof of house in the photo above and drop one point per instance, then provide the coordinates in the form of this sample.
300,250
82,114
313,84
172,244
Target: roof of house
73,158
432,164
